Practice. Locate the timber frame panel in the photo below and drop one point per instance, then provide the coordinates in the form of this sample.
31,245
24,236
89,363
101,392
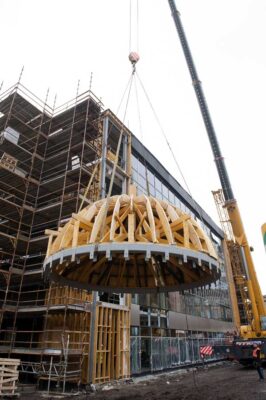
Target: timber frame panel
112,344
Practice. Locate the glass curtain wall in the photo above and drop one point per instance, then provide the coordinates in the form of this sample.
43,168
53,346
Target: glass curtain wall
153,346
209,302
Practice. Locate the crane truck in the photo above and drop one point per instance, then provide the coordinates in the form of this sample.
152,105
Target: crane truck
245,284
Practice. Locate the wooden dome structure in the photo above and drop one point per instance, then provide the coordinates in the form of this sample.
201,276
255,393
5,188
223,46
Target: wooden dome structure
130,243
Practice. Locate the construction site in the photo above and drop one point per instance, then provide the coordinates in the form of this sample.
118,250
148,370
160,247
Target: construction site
109,269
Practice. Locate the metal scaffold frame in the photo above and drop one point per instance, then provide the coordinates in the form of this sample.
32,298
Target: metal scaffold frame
47,156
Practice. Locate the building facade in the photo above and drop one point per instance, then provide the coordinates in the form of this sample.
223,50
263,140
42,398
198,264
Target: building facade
180,321
48,155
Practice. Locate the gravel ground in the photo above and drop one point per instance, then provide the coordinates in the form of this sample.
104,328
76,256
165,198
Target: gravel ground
227,381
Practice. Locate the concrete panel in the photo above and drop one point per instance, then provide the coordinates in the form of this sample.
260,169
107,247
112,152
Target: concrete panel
177,321
135,315
206,324
189,322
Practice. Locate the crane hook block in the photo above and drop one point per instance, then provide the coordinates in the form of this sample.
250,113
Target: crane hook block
133,57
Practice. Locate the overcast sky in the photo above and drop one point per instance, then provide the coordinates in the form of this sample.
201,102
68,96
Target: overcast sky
62,41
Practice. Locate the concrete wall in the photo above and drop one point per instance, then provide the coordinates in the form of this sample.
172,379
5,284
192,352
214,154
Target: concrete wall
135,315
187,322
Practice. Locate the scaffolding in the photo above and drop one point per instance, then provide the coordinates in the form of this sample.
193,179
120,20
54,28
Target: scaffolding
47,157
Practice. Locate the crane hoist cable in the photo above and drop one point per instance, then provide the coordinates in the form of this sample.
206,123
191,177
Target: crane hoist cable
141,134
135,83
136,75
137,12
119,141
130,25
131,20
133,57
169,147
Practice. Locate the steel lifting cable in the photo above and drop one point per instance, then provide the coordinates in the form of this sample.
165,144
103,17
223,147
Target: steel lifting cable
98,162
116,158
125,91
128,88
169,146
120,136
141,134
131,26
135,83
138,109
138,26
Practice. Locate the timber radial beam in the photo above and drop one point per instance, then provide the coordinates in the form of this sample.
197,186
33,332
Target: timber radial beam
131,243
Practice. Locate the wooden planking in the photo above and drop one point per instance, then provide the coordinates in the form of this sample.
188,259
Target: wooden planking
66,295
114,223
8,376
151,219
111,360
131,227
98,223
102,350
112,345
164,222
75,234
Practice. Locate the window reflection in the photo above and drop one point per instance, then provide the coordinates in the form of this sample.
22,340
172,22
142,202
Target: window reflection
212,302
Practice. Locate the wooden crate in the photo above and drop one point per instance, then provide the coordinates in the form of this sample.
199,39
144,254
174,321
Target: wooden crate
8,376
8,162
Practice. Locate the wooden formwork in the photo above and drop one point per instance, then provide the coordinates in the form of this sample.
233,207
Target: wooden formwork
62,325
8,376
66,295
67,329
71,329
112,343
103,345
121,354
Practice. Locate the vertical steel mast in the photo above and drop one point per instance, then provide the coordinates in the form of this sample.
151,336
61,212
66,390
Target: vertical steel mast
254,290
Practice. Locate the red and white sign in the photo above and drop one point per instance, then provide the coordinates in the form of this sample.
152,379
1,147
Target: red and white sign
206,350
